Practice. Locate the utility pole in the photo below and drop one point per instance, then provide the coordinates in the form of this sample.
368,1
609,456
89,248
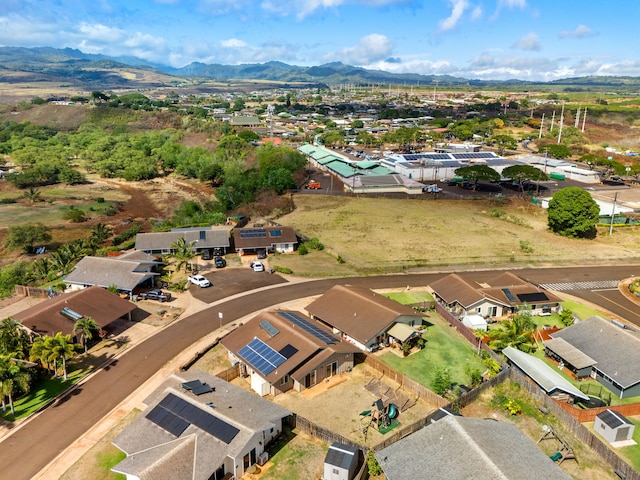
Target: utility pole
584,118
613,214
541,124
561,123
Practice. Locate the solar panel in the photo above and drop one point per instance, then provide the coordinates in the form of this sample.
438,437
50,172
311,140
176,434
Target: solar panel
533,297
174,414
191,385
269,328
253,233
308,327
202,388
167,420
275,233
261,356
509,295
288,351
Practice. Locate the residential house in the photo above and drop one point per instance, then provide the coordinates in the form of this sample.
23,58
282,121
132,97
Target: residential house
341,462
545,376
496,297
614,349
363,317
460,448
126,272
214,239
281,350
272,239
198,427
61,312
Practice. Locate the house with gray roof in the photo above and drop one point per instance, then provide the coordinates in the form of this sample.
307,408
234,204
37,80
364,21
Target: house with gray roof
613,346
545,376
126,272
211,238
460,448
363,317
494,297
198,427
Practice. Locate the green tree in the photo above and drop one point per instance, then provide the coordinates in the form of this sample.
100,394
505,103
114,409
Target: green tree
26,236
442,381
505,142
100,233
87,326
14,339
183,253
516,332
33,195
524,173
477,172
12,375
573,213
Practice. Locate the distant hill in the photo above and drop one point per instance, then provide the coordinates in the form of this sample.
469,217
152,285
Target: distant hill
90,71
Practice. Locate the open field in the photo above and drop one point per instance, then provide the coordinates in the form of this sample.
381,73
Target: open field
374,235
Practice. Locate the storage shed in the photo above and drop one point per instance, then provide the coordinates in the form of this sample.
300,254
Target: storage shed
613,426
341,462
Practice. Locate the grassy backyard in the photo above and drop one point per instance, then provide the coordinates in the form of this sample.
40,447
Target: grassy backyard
445,348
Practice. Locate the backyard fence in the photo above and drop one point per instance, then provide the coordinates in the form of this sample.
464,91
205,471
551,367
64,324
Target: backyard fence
413,387
230,373
24,291
321,433
566,417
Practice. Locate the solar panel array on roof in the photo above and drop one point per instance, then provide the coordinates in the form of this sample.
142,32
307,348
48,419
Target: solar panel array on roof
261,356
253,233
269,328
533,297
175,415
275,233
308,327
197,387
509,295
70,314
473,155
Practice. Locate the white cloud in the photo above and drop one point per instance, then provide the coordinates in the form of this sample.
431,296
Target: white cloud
457,9
512,3
581,31
369,49
304,8
477,12
529,42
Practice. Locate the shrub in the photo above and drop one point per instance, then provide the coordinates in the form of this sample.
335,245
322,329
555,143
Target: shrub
302,249
372,464
279,269
314,244
339,259
496,212
75,215
525,246
100,200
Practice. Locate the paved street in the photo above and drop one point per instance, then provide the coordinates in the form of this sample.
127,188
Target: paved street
37,442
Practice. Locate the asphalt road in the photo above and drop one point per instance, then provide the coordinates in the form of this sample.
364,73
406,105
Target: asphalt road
37,442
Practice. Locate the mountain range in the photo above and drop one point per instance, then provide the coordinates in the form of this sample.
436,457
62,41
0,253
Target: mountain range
89,71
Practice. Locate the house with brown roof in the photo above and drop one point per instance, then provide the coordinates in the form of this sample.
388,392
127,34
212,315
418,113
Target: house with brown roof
60,313
281,350
498,296
271,239
363,317
199,427
126,272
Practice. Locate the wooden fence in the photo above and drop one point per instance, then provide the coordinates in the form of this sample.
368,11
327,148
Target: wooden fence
24,291
413,387
466,332
230,373
581,433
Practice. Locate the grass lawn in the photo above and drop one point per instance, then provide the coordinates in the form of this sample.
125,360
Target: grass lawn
632,453
445,348
581,310
295,457
410,297
315,264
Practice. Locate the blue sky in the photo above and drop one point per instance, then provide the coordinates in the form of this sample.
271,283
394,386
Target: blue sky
483,39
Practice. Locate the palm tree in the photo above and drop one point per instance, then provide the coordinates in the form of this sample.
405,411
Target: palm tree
87,327
100,233
62,350
40,269
14,339
33,194
516,332
41,352
12,375
183,252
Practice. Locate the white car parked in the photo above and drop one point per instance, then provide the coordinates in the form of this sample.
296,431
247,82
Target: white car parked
199,280
257,266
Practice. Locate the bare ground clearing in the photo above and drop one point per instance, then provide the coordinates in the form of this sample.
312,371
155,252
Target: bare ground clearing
388,234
